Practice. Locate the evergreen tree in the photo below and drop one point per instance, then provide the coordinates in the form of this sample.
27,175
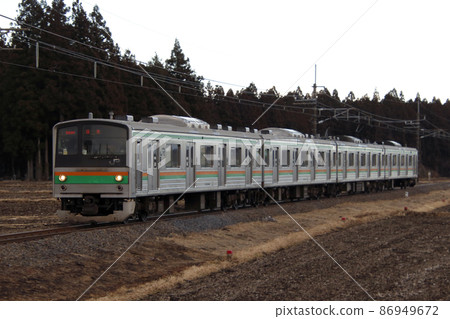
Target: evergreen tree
350,97
179,67
336,95
376,96
80,24
156,61
249,93
100,34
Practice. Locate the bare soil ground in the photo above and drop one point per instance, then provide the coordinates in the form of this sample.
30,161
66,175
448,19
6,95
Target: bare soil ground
392,253
399,258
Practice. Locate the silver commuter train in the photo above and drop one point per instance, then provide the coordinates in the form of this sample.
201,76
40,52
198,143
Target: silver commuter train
110,170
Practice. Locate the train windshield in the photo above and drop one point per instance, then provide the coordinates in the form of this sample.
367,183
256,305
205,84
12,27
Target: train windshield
68,141
99,140
91,144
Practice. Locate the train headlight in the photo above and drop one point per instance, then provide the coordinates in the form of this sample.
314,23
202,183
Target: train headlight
118,178
62,178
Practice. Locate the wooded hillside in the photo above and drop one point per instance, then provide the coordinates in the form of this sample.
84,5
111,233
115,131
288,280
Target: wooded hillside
61,62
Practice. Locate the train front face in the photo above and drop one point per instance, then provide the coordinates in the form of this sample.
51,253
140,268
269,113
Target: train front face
91,171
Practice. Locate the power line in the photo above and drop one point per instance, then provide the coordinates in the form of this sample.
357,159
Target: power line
196,86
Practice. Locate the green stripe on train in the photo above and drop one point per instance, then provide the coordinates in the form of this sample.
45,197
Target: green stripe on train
206,175
173,177
91,180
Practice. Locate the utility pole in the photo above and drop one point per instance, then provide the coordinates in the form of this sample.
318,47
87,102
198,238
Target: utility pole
314,129
418,130
315,86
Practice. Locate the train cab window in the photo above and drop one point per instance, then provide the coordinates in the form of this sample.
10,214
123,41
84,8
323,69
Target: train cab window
67,141
304,157
374,159
236,156
170,155
206,156
286,158
363,159
91,145
351,159
98,139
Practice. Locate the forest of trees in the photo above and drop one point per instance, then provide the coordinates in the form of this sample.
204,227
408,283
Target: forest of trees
59,63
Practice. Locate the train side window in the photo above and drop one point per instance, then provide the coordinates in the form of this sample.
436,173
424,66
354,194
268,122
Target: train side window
304,156
236,156
363,159
267,156
321,158
374,159
333,158
171,155
402,160
340,159
286,158
410,160
257,160
351,159
206,156
394,160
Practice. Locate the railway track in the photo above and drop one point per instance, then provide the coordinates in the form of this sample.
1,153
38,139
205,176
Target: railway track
39,234
62,230
44,233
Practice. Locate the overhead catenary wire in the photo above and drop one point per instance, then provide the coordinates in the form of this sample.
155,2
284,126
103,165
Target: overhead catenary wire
71,40
196,86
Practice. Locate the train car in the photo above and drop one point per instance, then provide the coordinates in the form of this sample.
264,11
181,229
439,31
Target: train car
111,170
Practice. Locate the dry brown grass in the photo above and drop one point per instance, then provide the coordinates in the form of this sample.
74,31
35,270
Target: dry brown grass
27,200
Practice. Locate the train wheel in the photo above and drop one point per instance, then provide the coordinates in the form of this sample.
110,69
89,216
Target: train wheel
143,216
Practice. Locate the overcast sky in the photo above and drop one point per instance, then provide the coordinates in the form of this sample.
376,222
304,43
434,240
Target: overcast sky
359,45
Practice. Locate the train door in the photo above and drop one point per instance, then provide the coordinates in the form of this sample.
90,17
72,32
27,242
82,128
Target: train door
407,163
152,165
314,155
345,159
248,162
222,166
379,157
138,165
358,164
390,164
144,161
295,164
190,168
328,163
276,163
267,171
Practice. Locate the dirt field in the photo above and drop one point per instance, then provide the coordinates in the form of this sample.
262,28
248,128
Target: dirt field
400,258
392,253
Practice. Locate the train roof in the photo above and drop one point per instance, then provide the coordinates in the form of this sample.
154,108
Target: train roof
189,125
